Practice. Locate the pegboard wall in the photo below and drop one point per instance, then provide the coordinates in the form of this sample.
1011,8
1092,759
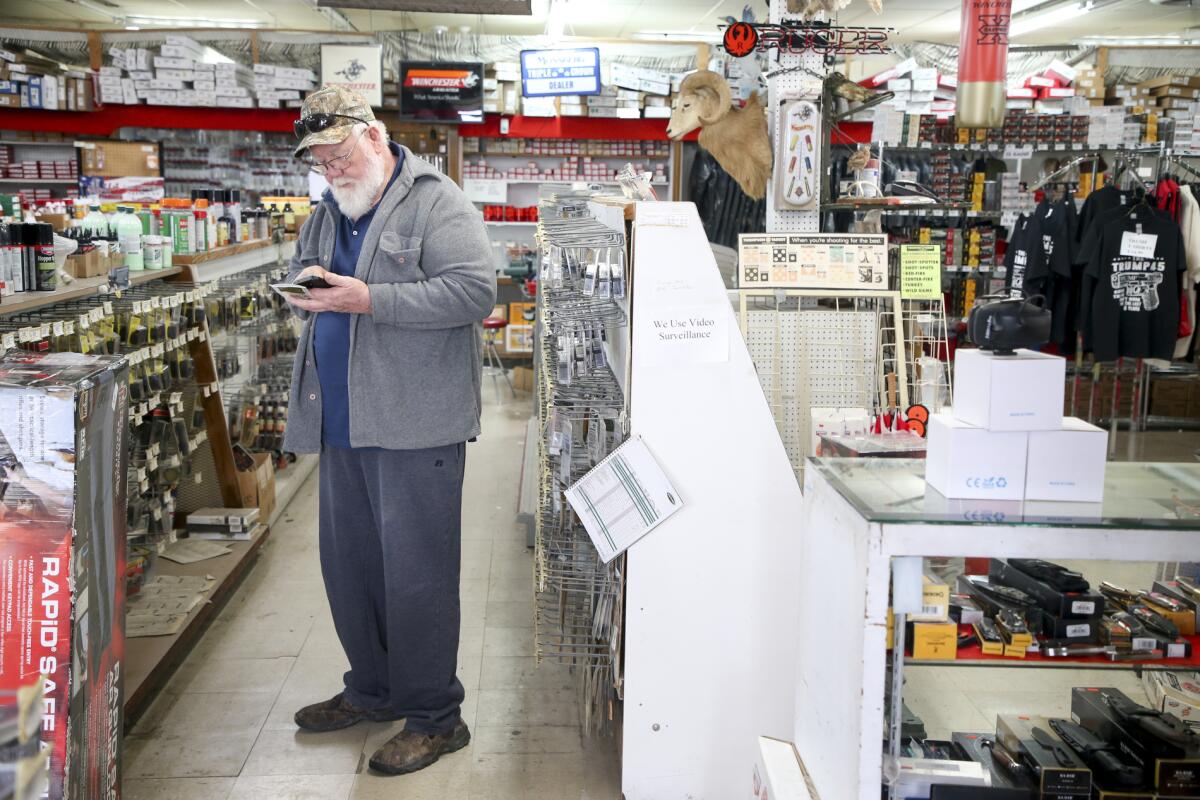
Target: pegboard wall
814,358
790,85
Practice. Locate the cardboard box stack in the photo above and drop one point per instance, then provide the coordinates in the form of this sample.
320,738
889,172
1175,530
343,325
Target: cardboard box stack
282,87
32,82
47,169
573,168
177,75
1006,437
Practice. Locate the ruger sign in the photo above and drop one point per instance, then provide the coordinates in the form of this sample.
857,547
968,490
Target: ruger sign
357,67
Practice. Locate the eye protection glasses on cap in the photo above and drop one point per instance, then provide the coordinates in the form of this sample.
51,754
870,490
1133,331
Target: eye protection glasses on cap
315,123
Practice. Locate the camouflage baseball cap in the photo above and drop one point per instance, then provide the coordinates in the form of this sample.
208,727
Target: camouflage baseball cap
346,106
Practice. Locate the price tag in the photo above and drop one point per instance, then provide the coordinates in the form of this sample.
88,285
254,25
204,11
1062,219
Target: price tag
157,351
1138,245
84,321
108,308
96,314
216,387
69,328
45,331
141,473
1084,608
10,341
58,328
1078,631
1139,643
176,397
144,486
156,302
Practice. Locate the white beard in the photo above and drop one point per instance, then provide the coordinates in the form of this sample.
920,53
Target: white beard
355,198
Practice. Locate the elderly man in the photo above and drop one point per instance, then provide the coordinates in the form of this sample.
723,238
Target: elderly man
387,388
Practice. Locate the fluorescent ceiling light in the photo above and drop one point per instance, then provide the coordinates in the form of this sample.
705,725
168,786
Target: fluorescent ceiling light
191,22
1055,16
677,36
1170,40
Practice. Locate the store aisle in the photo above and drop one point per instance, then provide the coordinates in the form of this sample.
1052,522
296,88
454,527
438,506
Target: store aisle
223,729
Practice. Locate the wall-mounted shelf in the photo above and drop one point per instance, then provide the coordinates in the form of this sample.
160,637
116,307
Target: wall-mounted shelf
41,181
79,288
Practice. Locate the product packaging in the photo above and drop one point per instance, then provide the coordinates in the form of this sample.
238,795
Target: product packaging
1021,392
968,462
63,455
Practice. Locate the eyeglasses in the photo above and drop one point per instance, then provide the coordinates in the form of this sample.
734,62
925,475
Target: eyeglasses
315,123
338,162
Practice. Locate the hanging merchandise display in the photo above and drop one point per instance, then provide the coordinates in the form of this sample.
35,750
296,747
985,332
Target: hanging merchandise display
981,96
737,138
797,176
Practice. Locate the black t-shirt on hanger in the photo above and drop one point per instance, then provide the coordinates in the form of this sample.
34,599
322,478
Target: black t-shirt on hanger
1135,306
1058,222
1024,262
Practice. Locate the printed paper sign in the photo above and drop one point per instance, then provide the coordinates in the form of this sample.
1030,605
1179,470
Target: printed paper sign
625,497
688,335
920,271
812,261
357,67
1138,245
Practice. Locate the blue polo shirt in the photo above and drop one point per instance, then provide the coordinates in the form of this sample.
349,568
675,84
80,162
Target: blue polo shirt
331,340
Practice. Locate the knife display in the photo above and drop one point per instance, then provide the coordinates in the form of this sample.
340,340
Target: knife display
1155,723
1056,575
1098,754
1054,747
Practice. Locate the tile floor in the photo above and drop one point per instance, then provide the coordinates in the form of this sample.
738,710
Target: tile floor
222,729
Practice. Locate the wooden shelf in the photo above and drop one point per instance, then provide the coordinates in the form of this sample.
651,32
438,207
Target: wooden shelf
79,288
222,252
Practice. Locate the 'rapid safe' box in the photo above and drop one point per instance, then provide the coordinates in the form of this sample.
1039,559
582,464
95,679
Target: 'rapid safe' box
63,453
1021,392
967,462
1067,464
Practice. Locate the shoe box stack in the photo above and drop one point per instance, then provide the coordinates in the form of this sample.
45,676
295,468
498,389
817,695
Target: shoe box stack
1006,438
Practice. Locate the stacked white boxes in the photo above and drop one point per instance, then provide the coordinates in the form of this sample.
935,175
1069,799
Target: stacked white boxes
282,87
178,75
1006,438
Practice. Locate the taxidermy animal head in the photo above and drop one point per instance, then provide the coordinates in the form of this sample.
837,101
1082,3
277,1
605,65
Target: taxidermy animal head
737,138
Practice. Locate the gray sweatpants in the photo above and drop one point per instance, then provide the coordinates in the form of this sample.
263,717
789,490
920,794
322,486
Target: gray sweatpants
390,537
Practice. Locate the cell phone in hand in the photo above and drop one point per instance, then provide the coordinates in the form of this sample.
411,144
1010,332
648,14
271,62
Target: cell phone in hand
293,289
313,282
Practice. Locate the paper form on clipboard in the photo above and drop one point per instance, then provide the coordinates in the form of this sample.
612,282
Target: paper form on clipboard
623,498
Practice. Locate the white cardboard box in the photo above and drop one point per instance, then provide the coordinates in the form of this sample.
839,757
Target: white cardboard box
777,772
1175,693
1021,392
967,462
1067,464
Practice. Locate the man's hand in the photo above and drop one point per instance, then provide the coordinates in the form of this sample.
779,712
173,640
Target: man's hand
347,295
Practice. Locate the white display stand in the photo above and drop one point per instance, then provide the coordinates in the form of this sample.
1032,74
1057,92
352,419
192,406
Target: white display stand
845,567
712,596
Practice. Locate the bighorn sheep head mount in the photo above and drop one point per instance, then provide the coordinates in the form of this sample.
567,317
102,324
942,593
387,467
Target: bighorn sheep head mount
737,138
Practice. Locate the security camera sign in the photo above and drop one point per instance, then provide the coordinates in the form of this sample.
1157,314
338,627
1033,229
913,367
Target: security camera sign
548,73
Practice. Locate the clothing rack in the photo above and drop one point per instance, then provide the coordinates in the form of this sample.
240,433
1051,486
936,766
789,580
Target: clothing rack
1070,165
1178,161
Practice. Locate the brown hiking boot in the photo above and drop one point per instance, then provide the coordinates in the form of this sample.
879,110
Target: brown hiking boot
337,713
409,751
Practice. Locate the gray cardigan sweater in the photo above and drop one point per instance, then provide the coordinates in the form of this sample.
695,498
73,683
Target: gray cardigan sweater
415,362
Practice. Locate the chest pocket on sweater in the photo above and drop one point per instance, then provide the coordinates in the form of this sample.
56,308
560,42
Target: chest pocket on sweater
398,259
